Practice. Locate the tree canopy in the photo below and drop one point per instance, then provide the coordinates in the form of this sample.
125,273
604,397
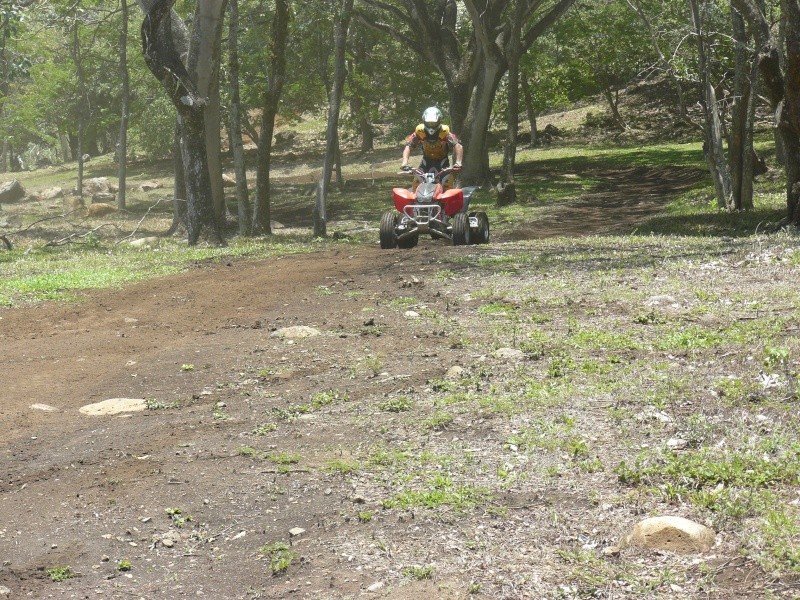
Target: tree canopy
60,84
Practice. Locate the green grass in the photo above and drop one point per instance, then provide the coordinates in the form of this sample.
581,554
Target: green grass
59,574
280,557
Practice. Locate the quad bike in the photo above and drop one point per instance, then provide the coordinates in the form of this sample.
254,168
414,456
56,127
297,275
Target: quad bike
432,209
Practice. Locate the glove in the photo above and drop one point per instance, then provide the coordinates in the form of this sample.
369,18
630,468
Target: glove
406,168
457,166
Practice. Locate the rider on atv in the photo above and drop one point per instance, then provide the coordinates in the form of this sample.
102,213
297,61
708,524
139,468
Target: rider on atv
437,143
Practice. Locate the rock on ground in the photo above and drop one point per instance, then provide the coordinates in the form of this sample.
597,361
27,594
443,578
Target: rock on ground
675,534
11,191
114,406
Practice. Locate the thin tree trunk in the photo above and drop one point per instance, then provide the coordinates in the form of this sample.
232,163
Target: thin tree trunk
83,103
334,106
528,96
507,191
122,144
272,96
740,145
235,135
715,155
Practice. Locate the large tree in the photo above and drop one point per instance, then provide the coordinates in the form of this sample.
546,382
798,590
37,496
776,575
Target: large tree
166,65
779,66
470,51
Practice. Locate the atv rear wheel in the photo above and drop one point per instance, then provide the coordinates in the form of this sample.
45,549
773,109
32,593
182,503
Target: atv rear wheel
460,229
481,232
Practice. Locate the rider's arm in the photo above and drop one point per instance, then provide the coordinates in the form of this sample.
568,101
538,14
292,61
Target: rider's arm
406,154
458,151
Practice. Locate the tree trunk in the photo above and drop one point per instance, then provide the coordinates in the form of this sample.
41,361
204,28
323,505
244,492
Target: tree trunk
740,144
83,103
507,192
203,67
715,155
272,96
235,135
612,97
789,121
165,63
526,92
334,106
180,215
476,149
122,144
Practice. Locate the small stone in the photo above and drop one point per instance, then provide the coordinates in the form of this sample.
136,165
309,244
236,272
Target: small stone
295,531
4,591
296,332
168,542
147,186
44,407
676,444
100,209
114,406
375,586
455,372
660,300
411,314
145,242
508,354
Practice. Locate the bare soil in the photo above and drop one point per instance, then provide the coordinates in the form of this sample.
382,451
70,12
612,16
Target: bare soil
90,492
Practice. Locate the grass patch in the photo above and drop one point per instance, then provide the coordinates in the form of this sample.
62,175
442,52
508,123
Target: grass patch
280,557
59,574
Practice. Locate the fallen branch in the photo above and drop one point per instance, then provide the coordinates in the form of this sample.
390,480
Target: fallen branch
75,236
139,224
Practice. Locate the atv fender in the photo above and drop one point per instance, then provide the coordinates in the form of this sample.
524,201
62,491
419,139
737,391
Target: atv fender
402,198
453,201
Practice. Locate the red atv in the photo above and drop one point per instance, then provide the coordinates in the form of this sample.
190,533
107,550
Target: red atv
434,210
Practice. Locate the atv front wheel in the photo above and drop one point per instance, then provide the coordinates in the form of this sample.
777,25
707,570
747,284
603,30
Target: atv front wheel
460,229
388,223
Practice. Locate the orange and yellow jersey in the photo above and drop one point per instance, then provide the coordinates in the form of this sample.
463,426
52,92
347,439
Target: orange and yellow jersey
435,148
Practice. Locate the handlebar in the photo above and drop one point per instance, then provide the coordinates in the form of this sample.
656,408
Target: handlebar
438,174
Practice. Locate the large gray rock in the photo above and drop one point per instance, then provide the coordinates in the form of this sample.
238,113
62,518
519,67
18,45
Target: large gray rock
11,191
52,193
675,534
96,185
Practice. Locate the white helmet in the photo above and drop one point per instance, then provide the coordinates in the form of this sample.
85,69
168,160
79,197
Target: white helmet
432,119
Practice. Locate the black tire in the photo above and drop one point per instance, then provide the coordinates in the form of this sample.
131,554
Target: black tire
408,242
460,229
481,232
388,237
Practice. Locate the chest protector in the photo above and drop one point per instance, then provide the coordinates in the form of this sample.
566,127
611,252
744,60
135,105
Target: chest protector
434,148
